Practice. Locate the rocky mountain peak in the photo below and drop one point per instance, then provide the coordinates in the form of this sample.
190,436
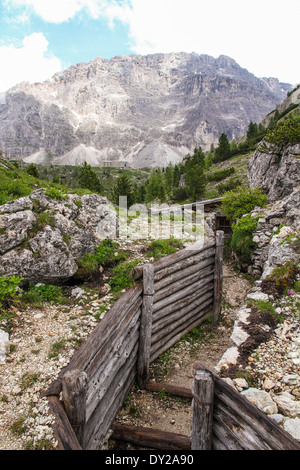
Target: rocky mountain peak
130,106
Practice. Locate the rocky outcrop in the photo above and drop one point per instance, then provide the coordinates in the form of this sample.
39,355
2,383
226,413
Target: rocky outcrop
41,238
276,236
130,108
276,171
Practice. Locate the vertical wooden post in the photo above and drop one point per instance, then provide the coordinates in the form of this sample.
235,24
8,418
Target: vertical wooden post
203,396
146,326
74,384
218,276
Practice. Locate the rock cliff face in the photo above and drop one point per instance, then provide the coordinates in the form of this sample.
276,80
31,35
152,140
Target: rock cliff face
145,110
277,171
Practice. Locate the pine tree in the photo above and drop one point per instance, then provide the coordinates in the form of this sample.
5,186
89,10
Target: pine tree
223,151
123,187
88,178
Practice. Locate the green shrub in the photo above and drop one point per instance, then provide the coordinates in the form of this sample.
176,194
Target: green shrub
122,276
55,193
232,184
242,238
159,248
287,132
220,174
8,288
37,294
106,254
237,203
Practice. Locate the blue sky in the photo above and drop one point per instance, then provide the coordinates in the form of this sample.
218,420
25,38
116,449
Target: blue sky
41,37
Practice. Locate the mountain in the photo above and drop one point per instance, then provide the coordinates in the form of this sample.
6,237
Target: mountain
140,110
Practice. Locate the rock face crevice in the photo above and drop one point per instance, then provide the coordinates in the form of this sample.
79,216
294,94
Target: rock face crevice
129,108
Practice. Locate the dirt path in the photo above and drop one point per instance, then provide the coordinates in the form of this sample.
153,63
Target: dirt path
160,411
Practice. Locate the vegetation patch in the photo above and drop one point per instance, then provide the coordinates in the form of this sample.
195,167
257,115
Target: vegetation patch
239,202
159,248
281,280
122,276
242,238
107,254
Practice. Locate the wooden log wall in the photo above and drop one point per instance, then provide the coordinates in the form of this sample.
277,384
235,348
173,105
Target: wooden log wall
175,295
184,285
239,425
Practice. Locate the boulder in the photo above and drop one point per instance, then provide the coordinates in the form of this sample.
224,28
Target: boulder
41,238
261,399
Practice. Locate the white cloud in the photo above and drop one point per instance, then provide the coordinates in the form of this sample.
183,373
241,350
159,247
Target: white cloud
260,35
59,11
30,62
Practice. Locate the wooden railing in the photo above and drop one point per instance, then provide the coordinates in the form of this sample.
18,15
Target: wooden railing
171,297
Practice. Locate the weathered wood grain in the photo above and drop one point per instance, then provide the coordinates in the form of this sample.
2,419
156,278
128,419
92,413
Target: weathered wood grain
62,428
203,403
167,324
181,298
150,438
218,276
183,283
143,362
169,340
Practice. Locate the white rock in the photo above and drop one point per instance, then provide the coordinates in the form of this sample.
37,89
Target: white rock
78,292
243,314
258,296
292,426
239,336
4,340
261,399
229,357
287,405
278,418
241,384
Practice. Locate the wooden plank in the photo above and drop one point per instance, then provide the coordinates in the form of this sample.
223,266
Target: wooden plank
170,323
176,335
105,329
184,273
182,283
270,434
191,260
101,382
175,258
237,429
103,415
143,362
182,392
150,438
181,298
74,386
62,428
218,277
193,250
203,400
269,431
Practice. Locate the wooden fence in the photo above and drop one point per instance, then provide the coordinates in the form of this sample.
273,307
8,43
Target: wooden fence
171,297
222,420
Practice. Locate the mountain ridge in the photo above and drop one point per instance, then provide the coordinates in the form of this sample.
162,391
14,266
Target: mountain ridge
128,108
